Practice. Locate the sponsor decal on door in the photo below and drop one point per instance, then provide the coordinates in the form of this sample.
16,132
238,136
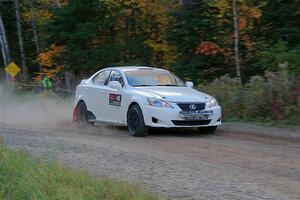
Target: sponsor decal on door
115,100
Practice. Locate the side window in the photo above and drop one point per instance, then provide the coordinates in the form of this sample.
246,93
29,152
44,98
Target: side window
101,78
116,76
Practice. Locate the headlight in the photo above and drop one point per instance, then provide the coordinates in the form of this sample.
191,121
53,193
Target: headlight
212,103
158,103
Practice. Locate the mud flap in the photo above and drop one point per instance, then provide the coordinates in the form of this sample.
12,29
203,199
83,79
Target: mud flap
74,115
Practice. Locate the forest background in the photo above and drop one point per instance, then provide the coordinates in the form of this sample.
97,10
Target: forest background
244,52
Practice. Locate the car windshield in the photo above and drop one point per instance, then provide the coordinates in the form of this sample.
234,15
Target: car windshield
138,78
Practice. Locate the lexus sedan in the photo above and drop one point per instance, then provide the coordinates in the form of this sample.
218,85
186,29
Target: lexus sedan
143,97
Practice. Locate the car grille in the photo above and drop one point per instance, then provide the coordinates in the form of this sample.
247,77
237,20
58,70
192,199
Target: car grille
190,122
186,106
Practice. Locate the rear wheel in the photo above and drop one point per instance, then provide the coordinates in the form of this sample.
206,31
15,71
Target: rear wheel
135,122
208,129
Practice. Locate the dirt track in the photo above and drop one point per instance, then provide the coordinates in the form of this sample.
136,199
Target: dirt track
247,164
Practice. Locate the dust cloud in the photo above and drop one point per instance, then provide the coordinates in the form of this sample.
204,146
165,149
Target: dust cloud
32,111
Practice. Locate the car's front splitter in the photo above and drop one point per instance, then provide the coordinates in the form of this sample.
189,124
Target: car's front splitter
170,118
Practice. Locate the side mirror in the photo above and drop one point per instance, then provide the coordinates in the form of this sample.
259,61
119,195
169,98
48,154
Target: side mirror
83,81
115,85
189,84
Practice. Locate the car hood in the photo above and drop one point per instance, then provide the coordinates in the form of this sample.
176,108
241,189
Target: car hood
174,94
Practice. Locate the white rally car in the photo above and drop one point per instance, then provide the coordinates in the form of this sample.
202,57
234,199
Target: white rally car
143,97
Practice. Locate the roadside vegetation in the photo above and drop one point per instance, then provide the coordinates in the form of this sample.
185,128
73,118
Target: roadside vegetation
271,99
24,178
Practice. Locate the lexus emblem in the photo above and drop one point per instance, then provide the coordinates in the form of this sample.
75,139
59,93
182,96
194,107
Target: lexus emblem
193,107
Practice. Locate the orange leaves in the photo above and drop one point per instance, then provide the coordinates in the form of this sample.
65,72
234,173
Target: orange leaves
242,22
47,58
251,12
246,11
246,16
49,63
209,48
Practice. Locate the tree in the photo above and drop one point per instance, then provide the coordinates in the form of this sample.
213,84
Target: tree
34,27
205,39
194,25
236,42
194,38
280,21
21,40
76,27
4,45
112,33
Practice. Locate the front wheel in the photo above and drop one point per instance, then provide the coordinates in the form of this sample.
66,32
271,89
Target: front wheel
207,129
135,122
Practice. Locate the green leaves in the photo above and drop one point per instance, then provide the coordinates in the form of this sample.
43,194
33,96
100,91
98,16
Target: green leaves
281,56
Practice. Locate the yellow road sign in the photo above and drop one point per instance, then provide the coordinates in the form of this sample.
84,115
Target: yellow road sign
12,69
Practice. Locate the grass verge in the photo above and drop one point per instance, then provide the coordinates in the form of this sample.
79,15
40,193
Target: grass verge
25,178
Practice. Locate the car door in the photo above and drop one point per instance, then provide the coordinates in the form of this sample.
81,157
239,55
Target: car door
115,98
98,95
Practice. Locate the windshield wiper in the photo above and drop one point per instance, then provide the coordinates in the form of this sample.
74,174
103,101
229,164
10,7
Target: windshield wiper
142,85
168,85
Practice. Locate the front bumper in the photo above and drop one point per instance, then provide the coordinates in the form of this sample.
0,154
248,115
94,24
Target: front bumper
169,118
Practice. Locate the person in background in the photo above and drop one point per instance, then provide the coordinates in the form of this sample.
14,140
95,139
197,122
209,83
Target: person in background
46,83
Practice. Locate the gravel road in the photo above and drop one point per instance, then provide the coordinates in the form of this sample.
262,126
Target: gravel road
177,164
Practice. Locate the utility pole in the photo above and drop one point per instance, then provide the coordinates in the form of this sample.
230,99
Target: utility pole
4,46
21,40
34,29
236,42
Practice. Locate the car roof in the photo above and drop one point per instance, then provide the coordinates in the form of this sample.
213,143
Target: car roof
132,68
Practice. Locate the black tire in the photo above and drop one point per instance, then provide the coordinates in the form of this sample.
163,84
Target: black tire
91,116
208,129
82,115
135,122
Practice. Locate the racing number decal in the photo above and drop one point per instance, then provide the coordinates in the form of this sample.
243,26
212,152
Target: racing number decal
115,100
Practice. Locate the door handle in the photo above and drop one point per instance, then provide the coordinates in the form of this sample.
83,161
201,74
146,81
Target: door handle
87,89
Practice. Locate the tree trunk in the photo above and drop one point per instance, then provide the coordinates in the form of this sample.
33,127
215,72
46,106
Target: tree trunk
21,40
236,42
34,29
4,46
3,52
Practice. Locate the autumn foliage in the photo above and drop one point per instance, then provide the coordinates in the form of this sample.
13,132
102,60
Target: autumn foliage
209,48
48,60
193,38
49,57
